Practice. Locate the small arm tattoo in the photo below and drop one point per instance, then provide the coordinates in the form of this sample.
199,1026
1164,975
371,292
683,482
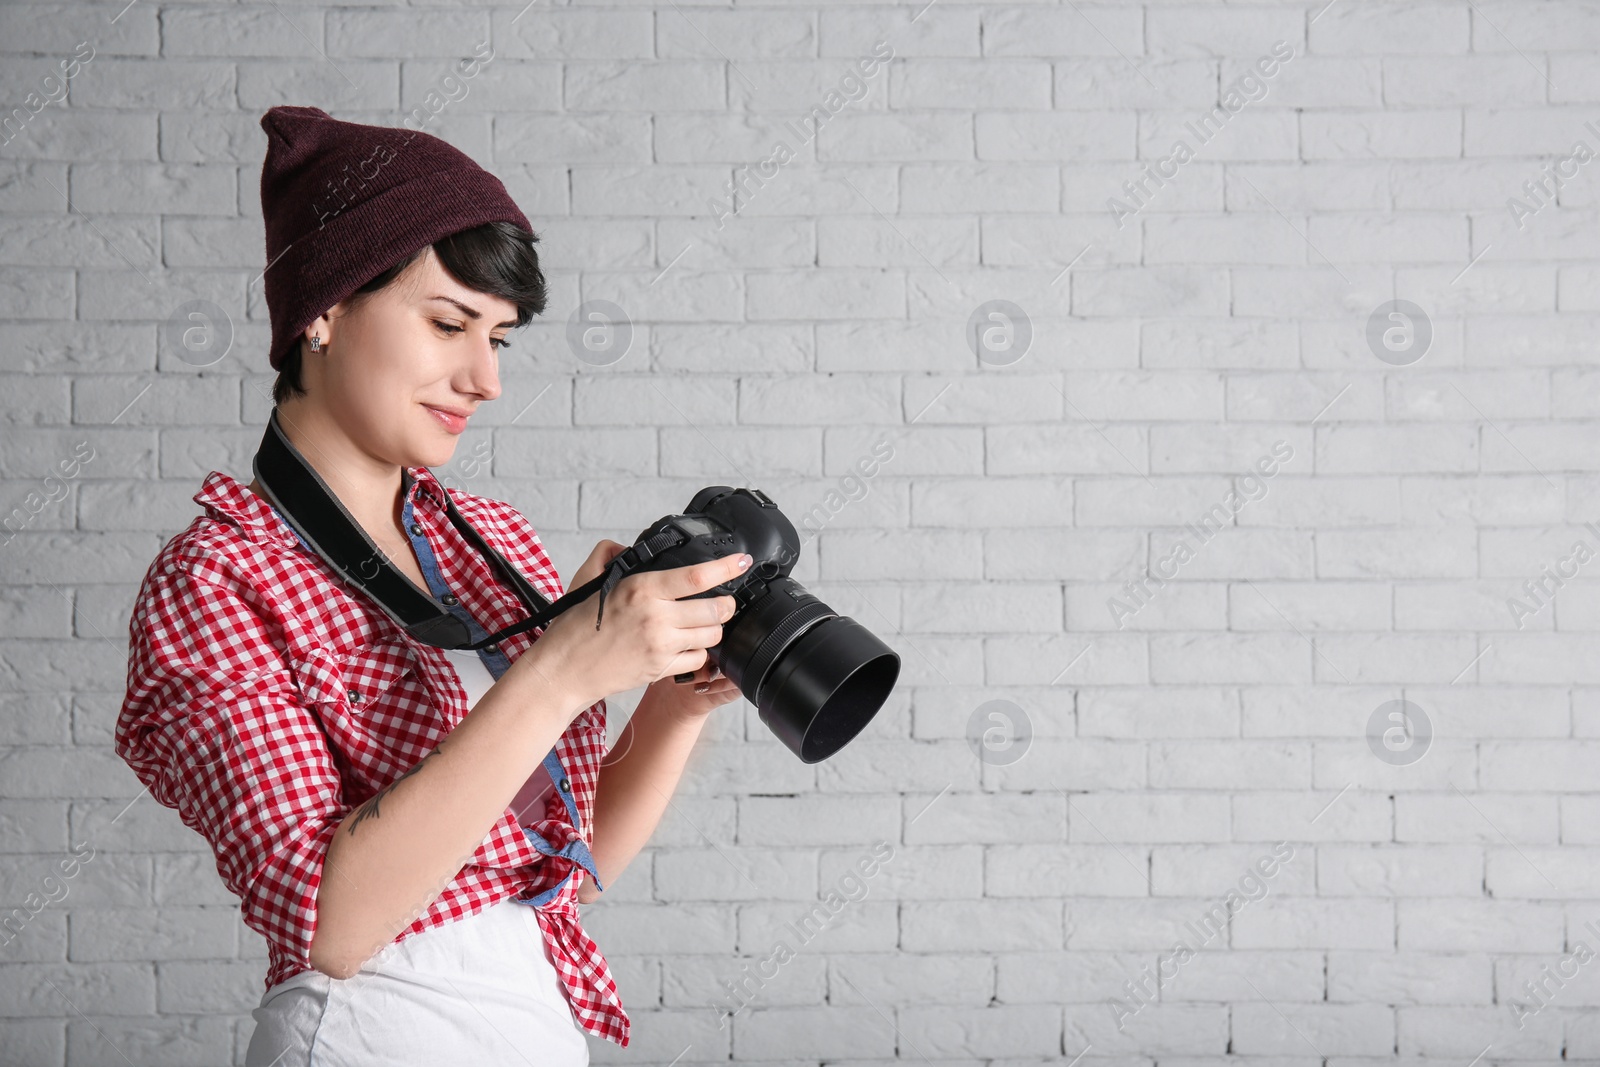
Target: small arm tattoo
369,809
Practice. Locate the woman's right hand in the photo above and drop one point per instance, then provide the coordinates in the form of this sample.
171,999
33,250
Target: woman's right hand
647,633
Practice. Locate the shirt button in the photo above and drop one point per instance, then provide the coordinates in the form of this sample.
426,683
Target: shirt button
449,600
416,528
491,649
354,695
565,784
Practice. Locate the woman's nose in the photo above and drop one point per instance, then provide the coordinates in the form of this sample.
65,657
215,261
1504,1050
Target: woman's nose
485,371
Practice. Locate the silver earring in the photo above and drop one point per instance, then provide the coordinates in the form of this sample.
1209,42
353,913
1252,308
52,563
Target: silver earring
316,343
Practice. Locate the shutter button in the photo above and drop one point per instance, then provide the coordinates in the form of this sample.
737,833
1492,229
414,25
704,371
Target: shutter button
564,784
416,528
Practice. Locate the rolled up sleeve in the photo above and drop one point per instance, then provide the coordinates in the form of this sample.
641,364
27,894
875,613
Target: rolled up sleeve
214,725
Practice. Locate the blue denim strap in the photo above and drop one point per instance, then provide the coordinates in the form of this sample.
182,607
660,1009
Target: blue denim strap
497,665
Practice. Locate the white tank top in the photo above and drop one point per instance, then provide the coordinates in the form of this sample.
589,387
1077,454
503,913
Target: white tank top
478,990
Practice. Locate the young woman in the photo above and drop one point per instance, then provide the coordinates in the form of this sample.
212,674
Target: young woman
411,829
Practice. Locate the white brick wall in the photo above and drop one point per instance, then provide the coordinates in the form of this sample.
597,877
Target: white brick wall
1170,750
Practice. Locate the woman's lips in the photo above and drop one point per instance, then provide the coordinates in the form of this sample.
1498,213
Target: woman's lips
452,422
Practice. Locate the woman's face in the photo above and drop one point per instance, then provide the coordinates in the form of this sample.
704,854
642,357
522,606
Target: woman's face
403,370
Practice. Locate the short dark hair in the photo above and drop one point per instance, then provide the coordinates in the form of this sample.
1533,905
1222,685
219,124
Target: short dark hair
497,258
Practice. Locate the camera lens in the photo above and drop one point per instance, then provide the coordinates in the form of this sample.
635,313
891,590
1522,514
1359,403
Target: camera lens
817,677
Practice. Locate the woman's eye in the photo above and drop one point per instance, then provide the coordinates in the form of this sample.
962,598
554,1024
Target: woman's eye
452,329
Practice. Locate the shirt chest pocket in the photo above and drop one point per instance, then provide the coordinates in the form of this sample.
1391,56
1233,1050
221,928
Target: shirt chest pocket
369,697
370,675
360,680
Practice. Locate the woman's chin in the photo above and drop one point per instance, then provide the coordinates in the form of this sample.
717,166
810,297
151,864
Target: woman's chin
432,454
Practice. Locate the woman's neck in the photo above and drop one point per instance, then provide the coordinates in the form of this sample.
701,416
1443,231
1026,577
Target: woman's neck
367,486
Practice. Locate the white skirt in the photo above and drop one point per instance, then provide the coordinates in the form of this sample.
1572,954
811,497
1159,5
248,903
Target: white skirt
478,990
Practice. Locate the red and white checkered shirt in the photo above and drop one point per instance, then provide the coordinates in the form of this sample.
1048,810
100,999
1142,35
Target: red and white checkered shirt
267,700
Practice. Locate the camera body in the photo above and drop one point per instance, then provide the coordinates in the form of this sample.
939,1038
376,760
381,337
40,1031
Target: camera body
816,677
721,520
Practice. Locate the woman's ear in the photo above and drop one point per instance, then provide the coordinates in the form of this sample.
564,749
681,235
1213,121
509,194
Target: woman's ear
319,335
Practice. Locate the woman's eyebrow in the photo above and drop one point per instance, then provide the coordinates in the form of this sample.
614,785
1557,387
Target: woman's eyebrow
469,312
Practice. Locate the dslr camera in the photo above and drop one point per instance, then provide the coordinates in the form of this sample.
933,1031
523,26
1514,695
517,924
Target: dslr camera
816,677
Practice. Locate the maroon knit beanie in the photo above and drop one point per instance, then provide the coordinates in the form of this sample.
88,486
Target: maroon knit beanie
344,202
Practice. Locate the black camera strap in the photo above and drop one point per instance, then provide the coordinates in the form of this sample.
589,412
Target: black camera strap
306,503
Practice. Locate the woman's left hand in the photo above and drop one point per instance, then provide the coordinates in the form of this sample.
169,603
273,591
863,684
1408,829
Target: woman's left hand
687,698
